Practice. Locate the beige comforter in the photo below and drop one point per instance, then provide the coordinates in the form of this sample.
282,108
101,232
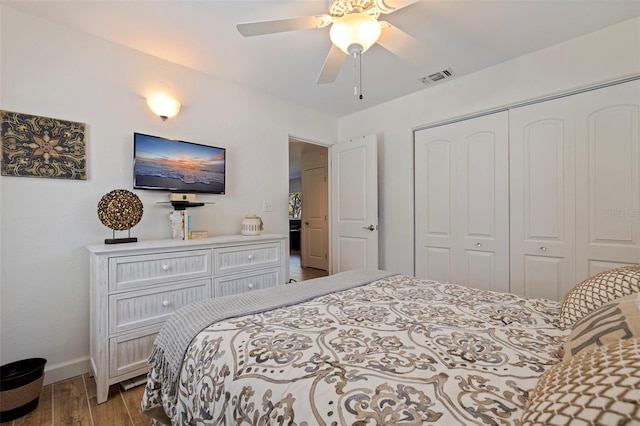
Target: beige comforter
397,351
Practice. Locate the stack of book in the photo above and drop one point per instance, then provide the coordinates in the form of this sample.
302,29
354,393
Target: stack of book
180,224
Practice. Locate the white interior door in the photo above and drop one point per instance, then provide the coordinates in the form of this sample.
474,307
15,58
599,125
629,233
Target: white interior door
607,178
542,151
354,204
462,202
314,218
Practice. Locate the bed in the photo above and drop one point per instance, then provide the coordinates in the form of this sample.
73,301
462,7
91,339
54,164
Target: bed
358,348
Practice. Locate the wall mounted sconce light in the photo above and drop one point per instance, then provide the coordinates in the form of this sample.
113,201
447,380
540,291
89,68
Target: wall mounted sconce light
163,105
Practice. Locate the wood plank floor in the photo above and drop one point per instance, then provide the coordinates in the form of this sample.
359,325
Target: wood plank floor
298,273
73,401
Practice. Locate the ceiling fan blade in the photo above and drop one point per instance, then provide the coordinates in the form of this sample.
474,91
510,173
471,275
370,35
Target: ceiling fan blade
389,6
402,44
332,65
250,29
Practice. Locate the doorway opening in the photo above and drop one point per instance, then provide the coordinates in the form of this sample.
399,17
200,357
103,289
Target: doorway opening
308,210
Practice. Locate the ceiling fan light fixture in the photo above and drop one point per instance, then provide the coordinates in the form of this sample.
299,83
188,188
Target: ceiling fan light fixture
355,32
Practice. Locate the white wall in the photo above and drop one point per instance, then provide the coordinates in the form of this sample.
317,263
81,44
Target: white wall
49,70
605,55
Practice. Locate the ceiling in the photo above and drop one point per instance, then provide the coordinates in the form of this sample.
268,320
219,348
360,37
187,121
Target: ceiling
465,36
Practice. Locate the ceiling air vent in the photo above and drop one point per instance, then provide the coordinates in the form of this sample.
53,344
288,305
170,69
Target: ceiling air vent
438,77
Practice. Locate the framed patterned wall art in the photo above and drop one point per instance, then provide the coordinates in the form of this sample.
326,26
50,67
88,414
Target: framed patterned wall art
46,147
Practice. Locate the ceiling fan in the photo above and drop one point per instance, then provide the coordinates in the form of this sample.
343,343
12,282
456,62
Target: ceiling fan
354,28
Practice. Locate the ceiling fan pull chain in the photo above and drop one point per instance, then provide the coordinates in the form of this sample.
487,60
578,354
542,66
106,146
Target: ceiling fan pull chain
357,74
360,74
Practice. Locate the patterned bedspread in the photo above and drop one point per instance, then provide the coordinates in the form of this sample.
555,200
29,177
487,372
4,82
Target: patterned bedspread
398,351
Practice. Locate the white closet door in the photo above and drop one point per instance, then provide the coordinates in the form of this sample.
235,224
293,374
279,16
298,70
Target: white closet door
607,178
462,203
483,202
542,178
435,251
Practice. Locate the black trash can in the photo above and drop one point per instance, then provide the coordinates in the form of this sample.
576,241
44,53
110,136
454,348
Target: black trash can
20,386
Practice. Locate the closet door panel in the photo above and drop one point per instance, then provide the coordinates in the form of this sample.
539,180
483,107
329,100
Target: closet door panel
480,270
438,189
479,184
435,263
613,164
544,276
596,266
608,177
542,202
483,201
434,195
462,207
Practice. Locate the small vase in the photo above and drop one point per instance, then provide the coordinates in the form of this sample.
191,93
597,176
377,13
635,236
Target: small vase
251,225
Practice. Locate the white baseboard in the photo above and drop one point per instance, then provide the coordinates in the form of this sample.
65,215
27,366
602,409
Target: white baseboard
66,370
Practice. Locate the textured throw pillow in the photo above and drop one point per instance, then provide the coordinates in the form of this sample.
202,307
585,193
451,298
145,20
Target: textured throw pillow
600,386
612,321
594,292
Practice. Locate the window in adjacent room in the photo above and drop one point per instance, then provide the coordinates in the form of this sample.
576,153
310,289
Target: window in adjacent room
295,205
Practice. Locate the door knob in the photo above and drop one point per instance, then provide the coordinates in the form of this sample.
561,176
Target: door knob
369,228
306,223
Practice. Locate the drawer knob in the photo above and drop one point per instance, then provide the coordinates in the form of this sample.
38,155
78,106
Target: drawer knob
165,303
478,244
543,248
165,267
249,256
250,285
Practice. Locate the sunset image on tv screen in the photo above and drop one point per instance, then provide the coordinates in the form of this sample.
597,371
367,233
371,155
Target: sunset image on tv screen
179,166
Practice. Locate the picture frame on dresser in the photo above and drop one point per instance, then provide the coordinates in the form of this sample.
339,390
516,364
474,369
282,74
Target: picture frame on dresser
135,288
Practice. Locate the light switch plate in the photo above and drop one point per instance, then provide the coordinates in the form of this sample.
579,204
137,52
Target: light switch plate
267,205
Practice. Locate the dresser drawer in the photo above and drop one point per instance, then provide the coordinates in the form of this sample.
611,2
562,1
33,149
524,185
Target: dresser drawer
257,280
128,272
243,258
141,308
131,352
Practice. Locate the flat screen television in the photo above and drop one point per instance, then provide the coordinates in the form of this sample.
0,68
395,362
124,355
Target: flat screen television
177,166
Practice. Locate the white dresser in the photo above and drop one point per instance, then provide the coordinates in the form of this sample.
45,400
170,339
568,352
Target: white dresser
136,287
